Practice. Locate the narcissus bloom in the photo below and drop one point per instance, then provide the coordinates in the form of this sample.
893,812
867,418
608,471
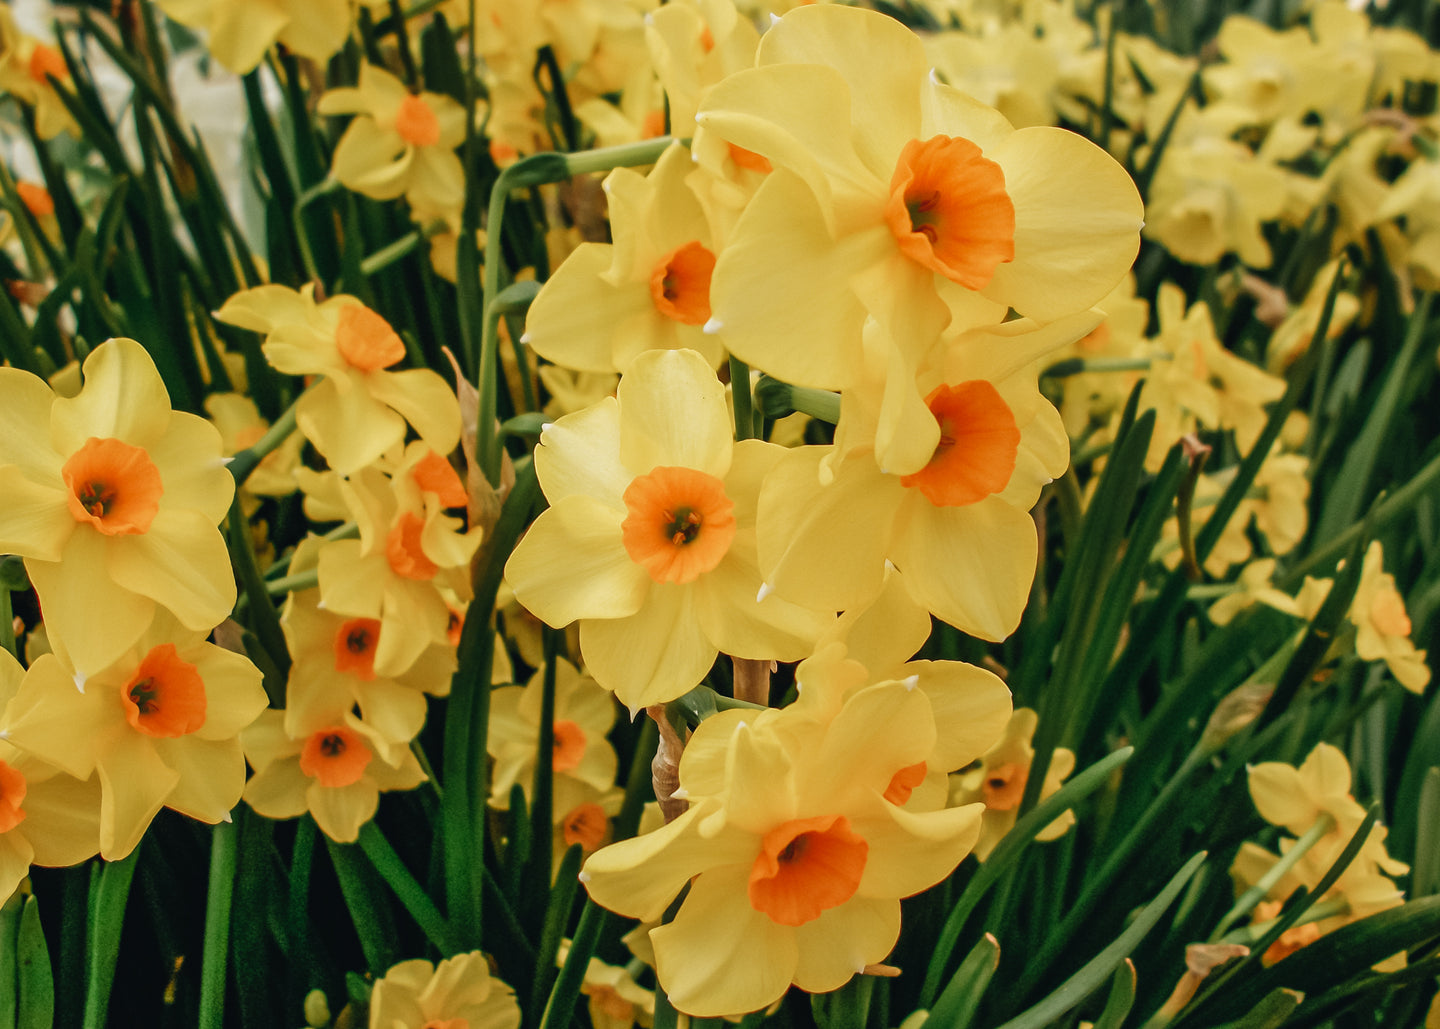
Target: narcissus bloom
46,816
26,67
795,858
160,726
1000,779
330,765
242,30
1382,626
584,713
113,500
650,290
399,143
241,425
649,539
458,993
360,409
411,561
899,196
953,519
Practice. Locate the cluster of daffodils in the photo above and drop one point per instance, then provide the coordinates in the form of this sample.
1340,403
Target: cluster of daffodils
864,241
114,502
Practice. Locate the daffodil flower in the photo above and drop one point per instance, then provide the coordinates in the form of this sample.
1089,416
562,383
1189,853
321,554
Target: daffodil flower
113,500
360,409
241,31
900,197
650,290
795,858
1382,626
399,143
160,726
457,993
649,538
46,816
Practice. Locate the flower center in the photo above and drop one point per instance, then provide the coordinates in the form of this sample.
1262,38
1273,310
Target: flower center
355,643
12,796
978,445
336,756
165,697
404,549
653,124
949,211
903,782
113,486
680,284
680,523
585,825
1004,786
365,340
416,122
805,867
47,61
569,746
436,475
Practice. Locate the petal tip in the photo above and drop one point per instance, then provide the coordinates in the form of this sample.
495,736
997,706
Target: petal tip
764,591
713,326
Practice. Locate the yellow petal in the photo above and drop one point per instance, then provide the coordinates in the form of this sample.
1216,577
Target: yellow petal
843,940
720,956
572,564
1280,795
211,776
134,783
580,454
123,398
652,656
971,566
909,851
971,708
574,318
62,819
1068,255
351,429
91,619
340,811
181,564
673,414
241,33
188,457
36,521
25,424
424,400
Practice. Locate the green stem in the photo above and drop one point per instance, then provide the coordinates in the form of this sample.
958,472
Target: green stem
305,580
1080,365
388,255
529,172
224,856
743,403
316,192
107,921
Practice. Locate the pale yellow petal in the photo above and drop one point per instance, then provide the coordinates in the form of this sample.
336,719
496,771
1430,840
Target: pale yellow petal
572,564
340,811
351,429
720,956
134,783
35,521
673,414
910,852
123,398
424,400
652,656
90,618
25,402
573,319
580,454
181,564
843,940
212,776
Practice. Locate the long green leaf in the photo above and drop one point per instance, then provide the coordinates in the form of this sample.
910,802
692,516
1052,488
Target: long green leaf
1099,968
960,1001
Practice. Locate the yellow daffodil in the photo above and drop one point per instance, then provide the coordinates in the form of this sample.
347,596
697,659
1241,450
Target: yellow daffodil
1295,799
695,44
899,196
160,726
411,560
1273,74
360,409
956,522
331,765
650,290
242,30
46,816
614,998
27,66
1000,779
333,667
649,539
795,858
584,713
1382,627
399,143
458,993
113,499
1211,194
